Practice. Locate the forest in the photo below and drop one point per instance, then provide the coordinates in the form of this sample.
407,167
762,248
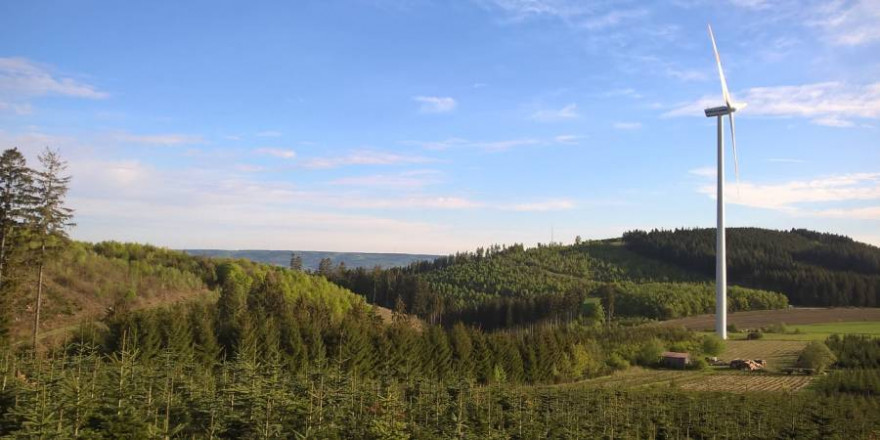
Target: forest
500,287
122,340
810,268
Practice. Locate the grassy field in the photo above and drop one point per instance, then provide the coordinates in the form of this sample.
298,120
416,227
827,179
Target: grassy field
792,317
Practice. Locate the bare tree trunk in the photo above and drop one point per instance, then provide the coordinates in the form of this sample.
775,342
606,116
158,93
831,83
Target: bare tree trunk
39,295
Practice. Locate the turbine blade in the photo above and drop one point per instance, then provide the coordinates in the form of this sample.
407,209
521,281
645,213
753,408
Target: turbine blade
735,159
720,70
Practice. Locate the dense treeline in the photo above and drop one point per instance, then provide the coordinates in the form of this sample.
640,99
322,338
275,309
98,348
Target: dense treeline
858,360
810,268
269,314
676,300
82,394
501,287
855,351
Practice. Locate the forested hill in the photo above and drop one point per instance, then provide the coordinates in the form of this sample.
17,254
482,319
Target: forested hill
657,274
311,260
811,268
95,281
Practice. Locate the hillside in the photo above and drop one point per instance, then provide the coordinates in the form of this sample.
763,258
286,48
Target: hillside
810,268
92,281
312,259
658,274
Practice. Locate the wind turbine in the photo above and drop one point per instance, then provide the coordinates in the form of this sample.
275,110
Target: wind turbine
720,243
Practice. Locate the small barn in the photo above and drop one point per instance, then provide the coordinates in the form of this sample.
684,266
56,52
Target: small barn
674,359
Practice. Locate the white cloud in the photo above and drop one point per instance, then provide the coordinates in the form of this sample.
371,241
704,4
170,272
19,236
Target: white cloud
548,205
159,139
435,104
827,103
565,113
269,134
704,172
364,157
795,197
849,23
569,139
280,153
22,77
785,160
407,180
493,146
613,18
627,125
590,15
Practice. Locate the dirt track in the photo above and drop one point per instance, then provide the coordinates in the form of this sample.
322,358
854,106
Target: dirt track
796,316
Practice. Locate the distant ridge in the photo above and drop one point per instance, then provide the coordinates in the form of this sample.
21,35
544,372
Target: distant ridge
312,258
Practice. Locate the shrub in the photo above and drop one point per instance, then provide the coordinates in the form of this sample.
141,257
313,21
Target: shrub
617,362
712,345
649,353
732,328
757,334
816,356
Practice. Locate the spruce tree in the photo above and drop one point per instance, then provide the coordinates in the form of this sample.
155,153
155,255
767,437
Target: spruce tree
296,262
51,218
16,207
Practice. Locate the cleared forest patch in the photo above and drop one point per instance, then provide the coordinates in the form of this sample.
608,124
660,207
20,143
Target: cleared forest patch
795,316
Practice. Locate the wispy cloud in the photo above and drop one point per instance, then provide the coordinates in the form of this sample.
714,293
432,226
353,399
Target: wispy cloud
569,139
23,77
849,23
493,146
704,171
785,160
435,104
801,197
828,103
565,113
166,139
592,16
280,153
547,205
364,157
627,125
407,180
613,18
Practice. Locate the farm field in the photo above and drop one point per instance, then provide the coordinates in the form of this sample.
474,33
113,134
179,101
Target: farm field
714,379
779,354
741,382
822,331
791,317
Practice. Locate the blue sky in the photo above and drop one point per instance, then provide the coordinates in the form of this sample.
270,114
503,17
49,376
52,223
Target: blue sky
436,126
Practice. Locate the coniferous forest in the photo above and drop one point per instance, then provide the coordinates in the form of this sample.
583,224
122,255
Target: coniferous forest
120,340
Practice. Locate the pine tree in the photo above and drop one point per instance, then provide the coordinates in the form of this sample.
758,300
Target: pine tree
16,207
51,218
296,262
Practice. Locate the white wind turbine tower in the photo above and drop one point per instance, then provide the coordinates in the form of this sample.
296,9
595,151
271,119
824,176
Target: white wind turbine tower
720,244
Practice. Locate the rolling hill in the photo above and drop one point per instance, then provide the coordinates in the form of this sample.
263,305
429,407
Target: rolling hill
656,274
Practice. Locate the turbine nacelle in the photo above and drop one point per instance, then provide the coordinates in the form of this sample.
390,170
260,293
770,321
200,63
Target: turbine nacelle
723,110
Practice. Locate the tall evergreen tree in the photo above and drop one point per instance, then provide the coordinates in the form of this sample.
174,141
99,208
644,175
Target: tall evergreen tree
16,205
51,218
296,262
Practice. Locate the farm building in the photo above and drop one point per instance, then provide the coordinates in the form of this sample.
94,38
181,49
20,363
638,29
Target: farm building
674,359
